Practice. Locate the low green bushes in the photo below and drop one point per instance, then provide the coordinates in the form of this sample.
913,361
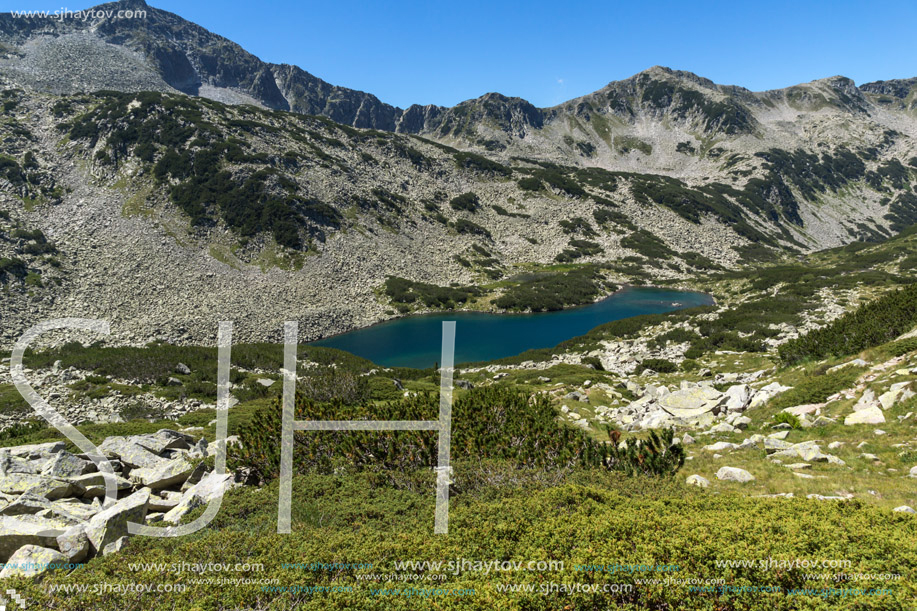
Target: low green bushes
870,325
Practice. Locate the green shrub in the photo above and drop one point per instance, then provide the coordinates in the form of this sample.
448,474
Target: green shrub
660,365
13,267
872,324
468,202
468,227
787,418
530,183
647,244
478,163
547,292
594,362
400,290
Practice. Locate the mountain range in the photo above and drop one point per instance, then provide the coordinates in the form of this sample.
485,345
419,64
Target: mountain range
172,174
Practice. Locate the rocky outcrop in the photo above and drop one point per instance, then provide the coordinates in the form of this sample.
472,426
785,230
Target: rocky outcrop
48,523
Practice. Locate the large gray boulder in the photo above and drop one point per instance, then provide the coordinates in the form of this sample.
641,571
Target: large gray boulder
691,402
32,561
129,452
74,544
734,474
65,464
899,392
92,485
720,446
48,487
110,524
866,401
16,531
38,450
165,475
211,486
738,397
162,440
869,415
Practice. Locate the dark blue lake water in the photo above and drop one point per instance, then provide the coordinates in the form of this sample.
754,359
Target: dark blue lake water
414,341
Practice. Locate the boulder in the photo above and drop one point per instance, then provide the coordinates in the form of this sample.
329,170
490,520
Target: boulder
766,393
211,486
697,480
32,561
738,397
772,445
741,423
691,402
802,410
74,544
266,382
867,401
16,531
130,453
92,485
115,546
899,509
656,420
162,440
182,369
29,504
912,472
720,446
110,524
165,475
734,474
38,450
50,488
897,393
16,464
64,464
870,415
823,421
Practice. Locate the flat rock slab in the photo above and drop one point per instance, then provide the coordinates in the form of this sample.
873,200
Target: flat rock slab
93,484
50,488
165,475
64,464
691,402
38,450
162,440
16,531
130,453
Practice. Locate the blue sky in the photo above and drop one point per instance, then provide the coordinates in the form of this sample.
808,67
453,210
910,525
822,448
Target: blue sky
440,52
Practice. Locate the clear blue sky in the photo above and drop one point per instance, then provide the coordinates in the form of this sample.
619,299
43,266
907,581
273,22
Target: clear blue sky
443,52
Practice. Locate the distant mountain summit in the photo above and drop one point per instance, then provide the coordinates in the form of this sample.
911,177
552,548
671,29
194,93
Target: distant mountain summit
164,52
